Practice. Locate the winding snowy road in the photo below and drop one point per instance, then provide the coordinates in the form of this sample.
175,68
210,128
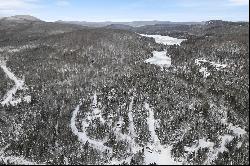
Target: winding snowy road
19,85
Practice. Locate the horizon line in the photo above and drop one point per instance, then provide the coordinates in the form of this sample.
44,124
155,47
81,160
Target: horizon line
124,21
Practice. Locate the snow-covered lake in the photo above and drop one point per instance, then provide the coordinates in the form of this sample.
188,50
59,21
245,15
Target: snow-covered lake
166,40
160,58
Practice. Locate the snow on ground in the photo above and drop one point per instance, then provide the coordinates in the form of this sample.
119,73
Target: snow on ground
15,160
120,162
131,121
151,125
213,155
201,143
155,152
96,112
19,85
224,140
118,130
82,136
217,65
12,49
134,147
166,40
237,131
27,99
204,70
158,153
160,59
99,145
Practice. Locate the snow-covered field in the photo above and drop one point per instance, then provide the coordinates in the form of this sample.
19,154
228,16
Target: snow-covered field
160,58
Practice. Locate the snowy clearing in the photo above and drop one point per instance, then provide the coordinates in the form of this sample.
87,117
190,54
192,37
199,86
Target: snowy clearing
217,65
204,70
160,59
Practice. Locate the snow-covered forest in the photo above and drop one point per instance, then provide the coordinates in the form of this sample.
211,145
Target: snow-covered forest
155,94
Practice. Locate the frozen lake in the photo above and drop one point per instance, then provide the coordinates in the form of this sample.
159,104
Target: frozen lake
166,40
160,58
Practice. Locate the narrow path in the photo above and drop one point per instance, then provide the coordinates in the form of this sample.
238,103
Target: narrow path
14,159
19,85
225,139
157,153
82,136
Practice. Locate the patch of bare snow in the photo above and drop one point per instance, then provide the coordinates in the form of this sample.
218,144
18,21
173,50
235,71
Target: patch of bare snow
213,155
27,99
204,71
96,112
160,58
201,143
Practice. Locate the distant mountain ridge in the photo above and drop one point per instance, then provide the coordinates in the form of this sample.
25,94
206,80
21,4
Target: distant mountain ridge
117,25
132,24
20,18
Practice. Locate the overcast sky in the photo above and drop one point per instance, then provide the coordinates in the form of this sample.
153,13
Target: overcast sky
128,10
